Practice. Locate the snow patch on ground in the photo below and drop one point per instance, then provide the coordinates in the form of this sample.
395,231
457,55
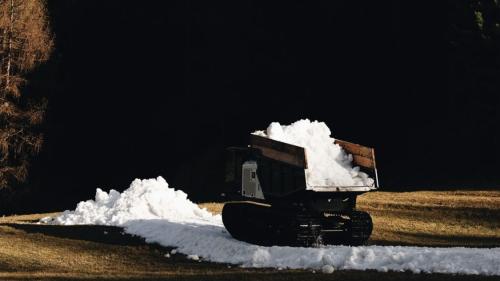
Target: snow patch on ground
327,269
153,210
328,163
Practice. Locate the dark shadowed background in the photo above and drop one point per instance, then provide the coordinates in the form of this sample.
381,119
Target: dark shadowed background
145,88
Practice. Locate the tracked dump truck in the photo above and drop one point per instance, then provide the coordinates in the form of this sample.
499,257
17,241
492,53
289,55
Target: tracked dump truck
270,204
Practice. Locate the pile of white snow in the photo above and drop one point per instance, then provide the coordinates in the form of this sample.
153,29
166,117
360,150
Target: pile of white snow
328,163
150,209
149,199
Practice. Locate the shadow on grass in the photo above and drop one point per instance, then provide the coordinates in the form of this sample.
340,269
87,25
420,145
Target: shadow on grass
344,275
94,233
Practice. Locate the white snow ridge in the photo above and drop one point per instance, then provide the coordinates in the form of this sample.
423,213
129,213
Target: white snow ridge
149,208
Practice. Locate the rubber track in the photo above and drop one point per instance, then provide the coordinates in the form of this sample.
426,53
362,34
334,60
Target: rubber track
264,225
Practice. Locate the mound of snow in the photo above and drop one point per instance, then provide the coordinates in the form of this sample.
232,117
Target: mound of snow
327,269
150,209
328,163
149,199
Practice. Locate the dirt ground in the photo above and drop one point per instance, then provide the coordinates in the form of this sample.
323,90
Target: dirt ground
30,251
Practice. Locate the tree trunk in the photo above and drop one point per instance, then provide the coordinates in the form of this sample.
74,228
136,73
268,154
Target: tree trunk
9,52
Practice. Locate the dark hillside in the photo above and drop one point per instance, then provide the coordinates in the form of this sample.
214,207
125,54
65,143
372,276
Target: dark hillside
161,87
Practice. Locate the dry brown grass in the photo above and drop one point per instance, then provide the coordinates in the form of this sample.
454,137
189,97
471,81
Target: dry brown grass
215,208
437,218
25,218
42,252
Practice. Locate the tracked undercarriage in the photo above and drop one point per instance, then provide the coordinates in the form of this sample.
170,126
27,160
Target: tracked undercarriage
272,205
265,225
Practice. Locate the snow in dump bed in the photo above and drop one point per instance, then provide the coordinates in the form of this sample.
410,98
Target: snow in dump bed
328,164
150,209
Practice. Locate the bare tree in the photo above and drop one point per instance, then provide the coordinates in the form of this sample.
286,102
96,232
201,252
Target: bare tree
25,42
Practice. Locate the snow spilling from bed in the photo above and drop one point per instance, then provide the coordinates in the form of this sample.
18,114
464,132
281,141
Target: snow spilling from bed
328,163
151,209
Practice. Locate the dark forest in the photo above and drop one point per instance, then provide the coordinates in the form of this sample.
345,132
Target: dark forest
142,89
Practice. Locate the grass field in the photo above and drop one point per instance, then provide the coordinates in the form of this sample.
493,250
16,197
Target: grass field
30,251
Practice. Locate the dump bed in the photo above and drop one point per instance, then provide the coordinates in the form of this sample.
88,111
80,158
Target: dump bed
363,156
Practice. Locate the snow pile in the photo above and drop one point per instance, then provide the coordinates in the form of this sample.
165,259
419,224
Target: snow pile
148,199
328,163
150,209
